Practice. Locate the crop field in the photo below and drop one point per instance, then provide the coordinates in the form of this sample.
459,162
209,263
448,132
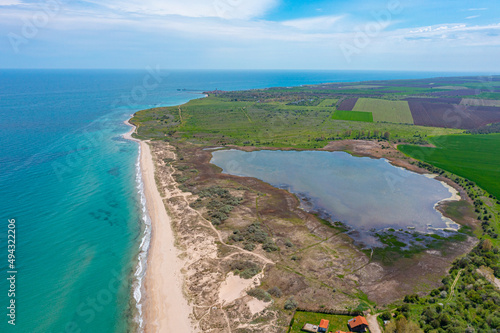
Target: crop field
445,100
458,92
479,102
347,104
353,116
220,121
337,322
385,110
474,157
329,102
452,115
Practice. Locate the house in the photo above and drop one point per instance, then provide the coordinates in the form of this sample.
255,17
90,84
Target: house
310,328
323,326
358,324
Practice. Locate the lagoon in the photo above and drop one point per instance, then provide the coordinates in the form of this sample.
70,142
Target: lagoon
367,195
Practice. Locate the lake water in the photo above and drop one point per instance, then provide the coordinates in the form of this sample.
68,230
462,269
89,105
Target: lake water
368,195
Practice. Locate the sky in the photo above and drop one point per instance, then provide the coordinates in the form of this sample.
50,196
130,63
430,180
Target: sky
411,35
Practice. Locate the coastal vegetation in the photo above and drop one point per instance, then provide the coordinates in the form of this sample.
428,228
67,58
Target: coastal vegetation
445,131
245,268
255,234
466,301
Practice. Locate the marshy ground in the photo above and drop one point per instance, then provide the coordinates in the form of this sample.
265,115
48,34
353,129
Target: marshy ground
266,236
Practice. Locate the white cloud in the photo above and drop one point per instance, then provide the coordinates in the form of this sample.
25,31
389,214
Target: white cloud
313,23
472,17
227,9
475,9
10,2
457,27
452,35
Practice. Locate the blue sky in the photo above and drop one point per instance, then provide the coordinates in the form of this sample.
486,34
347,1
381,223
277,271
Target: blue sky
425,35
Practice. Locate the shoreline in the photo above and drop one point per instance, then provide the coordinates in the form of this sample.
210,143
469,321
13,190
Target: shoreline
370,149
165,307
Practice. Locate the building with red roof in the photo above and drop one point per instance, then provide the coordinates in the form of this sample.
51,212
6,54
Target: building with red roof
358,324
323,325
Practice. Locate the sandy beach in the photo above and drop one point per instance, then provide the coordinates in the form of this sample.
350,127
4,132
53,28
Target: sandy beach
165,309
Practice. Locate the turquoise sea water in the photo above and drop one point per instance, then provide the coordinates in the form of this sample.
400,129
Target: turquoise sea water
365,194
70,182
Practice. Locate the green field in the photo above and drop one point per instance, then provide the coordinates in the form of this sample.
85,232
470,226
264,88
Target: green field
385,110
219,121
475,157
353,116
328,102
337,322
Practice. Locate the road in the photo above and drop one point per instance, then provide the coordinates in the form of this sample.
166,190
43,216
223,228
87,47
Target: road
373,323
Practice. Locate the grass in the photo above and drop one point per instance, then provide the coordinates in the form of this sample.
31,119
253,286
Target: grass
220,121
404,245
353,116
475,157
385,110
329,102
337,322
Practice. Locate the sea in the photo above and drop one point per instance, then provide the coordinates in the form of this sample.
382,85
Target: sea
71,191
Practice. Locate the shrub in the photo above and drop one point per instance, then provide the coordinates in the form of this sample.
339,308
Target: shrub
260,294
386,315
275,291
245,269
290,304
411,298
221,203
270,246
249,246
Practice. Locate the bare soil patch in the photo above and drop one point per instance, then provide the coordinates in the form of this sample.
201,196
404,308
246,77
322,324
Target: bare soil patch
347,104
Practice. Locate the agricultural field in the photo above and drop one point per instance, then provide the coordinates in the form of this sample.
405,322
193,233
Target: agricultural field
337,322
347,104
426,113
329,102
385,110
479,102
220,121
353,116
462,102
455,92
475,157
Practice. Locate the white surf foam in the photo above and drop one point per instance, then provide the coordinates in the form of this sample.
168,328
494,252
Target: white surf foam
143,248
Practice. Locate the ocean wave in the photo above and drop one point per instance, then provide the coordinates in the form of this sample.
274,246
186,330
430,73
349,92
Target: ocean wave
143,248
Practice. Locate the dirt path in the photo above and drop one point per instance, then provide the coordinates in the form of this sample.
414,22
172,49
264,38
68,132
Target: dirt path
246,114
176,193
452,289
373,323
180,114
211,226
